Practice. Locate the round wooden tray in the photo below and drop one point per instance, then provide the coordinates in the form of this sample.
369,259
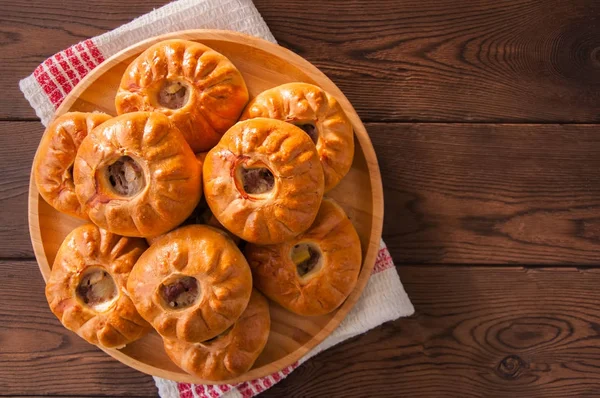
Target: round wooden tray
263,65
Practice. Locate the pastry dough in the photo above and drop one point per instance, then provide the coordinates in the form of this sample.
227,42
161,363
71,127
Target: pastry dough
136,176
233,352
54,160
87,284
191,284
199,89
197,216
263,181
201,215
319,115
313,273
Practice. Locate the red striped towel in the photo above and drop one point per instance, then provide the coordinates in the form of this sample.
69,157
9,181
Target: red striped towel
383,299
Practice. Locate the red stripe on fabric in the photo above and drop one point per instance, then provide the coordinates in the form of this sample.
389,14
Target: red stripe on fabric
258,387
46,83
77,65
58,76
245,390
212,392
224,387
37,71
277,377
200,390
84,55
73,79
56,98
266,382
383,261
185,390
94,51
289,369
53,93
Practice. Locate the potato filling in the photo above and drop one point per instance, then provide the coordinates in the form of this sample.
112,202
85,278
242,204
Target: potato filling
257,180
97,289
311,130
180,293
126,177
173,95
306,257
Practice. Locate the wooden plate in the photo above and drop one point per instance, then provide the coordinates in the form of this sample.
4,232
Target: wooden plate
263,65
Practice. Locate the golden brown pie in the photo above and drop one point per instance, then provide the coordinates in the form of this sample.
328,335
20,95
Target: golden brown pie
197,216
317,113
313,273
86,289
53,164
136,176
191,284
263,181
201,215
231,353
199,89
212,221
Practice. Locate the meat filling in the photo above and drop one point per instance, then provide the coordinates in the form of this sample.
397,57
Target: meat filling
257,180
172,95
126,177
96,288
306,257
180,293
311,130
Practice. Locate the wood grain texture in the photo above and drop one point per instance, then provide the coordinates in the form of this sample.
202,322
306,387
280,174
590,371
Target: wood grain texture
483,331
480,193
466,193
31,31
446,60
40,357
485,60
18,142
478,332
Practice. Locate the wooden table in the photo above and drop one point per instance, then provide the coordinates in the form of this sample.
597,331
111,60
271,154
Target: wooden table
484,117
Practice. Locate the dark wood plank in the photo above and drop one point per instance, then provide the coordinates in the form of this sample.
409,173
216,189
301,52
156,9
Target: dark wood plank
34,30
446,60
454,193
480,193
39,356
478,332
485,60
18,142
483,331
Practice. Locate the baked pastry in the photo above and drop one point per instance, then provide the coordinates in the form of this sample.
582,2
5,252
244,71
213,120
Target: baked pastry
212,221
191,284
319,115
232,352
199,89
136,176
53,164
201,215
197,214
313,273
263,181
86,288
